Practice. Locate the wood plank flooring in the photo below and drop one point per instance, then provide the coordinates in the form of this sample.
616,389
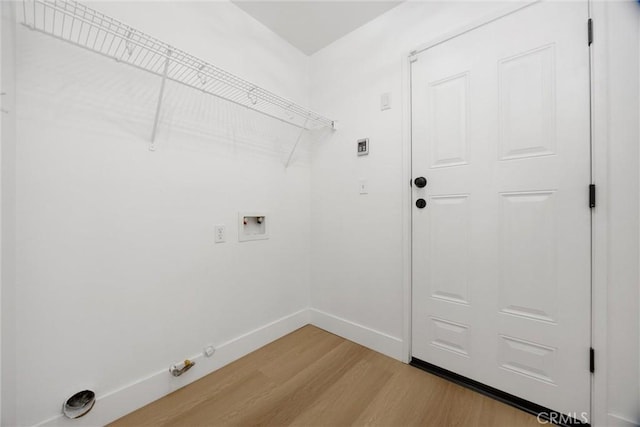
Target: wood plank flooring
313,378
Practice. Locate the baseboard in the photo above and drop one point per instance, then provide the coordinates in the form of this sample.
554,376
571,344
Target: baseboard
375,340
115,404
618,421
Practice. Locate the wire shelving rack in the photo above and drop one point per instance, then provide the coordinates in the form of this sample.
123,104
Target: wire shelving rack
85,27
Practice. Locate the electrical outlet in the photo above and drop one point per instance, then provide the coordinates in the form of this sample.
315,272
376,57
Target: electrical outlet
220,232
209,350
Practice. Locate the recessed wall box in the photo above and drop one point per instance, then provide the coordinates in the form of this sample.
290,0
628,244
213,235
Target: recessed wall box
253,226
363,147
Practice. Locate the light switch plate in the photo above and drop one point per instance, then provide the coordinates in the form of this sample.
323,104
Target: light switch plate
385,101
363,186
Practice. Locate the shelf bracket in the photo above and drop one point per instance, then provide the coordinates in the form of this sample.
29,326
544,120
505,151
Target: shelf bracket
293,150
152,146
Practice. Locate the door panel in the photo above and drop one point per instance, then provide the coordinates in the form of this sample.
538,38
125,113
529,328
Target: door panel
501,252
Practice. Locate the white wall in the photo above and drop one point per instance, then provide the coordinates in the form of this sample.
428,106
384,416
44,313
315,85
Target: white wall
118,275
357,241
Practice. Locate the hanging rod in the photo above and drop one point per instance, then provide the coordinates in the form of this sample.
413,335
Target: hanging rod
82,26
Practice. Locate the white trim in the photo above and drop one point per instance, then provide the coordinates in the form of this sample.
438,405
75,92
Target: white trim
3,5
600,215
8,403
508,10
117,403
406,211
370,338
618,421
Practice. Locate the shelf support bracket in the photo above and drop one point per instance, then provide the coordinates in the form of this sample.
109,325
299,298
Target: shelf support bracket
152,146
293,150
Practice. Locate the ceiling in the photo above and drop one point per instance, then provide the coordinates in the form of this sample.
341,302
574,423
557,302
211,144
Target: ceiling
312,25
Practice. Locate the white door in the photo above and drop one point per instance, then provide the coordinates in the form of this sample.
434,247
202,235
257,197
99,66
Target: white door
501,251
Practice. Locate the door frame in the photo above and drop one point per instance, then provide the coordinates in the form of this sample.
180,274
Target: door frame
599,173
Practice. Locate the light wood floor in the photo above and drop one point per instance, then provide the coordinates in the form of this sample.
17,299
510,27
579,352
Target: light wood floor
313,378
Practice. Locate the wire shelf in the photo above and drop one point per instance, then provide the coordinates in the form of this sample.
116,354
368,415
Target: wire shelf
82,26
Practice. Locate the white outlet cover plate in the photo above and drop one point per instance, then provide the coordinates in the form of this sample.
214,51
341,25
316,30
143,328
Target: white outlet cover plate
220,233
